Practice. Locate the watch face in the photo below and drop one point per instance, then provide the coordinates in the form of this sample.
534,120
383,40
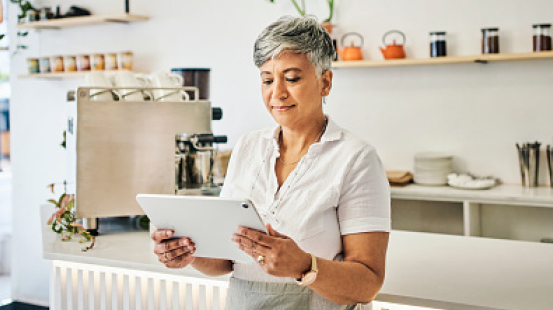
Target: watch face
309,278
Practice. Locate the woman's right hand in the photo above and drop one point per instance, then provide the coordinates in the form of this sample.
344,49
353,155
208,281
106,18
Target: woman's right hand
173,253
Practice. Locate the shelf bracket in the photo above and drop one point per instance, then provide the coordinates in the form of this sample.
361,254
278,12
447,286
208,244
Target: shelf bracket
480,61
113,20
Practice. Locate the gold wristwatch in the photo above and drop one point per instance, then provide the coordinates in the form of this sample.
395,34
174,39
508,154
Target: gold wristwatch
310,276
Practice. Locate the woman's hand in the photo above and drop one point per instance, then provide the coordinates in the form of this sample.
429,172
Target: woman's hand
173,253
276,253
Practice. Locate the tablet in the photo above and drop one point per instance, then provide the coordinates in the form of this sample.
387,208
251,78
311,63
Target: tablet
209,222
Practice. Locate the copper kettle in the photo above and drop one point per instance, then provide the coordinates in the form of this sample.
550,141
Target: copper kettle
351,52
394,51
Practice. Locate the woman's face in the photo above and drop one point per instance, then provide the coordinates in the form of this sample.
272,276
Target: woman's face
291,91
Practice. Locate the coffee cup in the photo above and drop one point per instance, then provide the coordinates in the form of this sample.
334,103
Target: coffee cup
129,79
167,80
99,79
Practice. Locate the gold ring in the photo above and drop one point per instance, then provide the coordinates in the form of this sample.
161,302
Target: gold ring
261,259
165,257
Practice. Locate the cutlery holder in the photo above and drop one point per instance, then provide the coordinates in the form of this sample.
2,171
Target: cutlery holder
529,158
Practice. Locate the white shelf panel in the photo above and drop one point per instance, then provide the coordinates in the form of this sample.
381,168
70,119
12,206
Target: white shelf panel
503,194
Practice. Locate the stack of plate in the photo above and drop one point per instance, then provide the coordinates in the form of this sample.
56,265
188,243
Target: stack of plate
432,168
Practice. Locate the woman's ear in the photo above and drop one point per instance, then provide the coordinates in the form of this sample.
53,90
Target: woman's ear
326,79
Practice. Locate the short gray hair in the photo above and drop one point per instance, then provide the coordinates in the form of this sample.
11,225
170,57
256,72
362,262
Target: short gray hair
302,35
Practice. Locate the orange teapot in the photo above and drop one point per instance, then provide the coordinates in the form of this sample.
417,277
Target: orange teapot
394,51
351,52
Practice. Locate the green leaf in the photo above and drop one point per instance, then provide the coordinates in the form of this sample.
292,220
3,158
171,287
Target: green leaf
61,198
2,36
70,205
53,201
23,34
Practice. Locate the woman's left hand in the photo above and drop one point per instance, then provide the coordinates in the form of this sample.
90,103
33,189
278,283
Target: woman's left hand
276,253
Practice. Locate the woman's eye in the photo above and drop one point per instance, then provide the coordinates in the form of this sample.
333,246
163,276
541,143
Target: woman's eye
293,80
267,82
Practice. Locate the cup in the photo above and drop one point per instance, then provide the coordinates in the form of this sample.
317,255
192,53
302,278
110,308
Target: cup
98,62
56,62
99,79
125,60
167,80
33,65
83,63
44,65
70,63
111,61
129,79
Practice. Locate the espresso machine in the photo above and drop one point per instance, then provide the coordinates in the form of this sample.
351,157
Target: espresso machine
119,148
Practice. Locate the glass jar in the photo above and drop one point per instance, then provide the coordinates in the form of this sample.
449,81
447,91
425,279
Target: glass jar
490,40
542,37
438,47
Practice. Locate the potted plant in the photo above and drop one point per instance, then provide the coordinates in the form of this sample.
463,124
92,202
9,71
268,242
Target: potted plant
326,23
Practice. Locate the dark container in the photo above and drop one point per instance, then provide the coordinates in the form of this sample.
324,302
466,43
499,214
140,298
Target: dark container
542,37
490,41
198,77
438,46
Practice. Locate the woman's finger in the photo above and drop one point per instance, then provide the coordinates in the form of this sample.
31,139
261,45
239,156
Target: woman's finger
249,247
178,253
256,236
180,262
161,234
275,233
169,245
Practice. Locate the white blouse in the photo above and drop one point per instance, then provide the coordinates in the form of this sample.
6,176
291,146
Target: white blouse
339,187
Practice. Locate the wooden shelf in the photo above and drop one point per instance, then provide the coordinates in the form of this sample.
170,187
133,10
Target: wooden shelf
83,21
61,75
443,60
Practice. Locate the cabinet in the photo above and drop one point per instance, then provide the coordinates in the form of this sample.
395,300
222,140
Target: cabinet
505,212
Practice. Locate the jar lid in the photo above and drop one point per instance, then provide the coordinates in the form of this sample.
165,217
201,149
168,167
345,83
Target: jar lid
541,26
490,29
439,33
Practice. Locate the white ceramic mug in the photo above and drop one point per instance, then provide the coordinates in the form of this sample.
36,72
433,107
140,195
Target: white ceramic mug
98,79
129,79
167,80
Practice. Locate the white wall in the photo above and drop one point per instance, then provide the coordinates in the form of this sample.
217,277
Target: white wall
475,111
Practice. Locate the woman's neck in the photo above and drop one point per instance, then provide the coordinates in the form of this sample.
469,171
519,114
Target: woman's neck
297,140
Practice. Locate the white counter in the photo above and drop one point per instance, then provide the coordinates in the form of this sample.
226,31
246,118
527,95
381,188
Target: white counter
433,270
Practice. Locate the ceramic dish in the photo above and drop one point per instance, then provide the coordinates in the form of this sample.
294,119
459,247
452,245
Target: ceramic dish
472,186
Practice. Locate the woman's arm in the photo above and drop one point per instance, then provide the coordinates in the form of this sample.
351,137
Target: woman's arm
355,280
359,277
211,266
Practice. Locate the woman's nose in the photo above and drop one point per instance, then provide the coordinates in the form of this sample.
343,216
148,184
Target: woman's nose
279,91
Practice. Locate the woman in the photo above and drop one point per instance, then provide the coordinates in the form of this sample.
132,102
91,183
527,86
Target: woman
321,191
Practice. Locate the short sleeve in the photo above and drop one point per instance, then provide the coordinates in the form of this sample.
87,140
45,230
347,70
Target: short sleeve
226,191
364,204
